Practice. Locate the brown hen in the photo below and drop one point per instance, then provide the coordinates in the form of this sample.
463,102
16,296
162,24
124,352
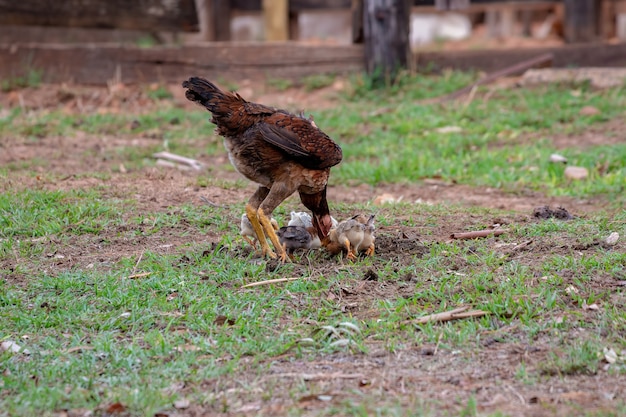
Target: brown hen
280,151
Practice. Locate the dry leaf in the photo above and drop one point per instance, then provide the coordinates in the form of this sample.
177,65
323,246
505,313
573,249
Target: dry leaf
116,408
314,397
222,320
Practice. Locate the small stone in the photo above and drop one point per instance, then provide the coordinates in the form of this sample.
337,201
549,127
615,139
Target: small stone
589,111
576,173
612,238
182,403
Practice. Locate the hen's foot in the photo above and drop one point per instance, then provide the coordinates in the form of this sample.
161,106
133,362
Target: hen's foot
253,216
271,234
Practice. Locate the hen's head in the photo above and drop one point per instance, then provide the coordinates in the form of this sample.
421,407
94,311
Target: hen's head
322,221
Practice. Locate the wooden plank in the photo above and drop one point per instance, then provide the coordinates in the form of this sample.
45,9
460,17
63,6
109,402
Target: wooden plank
276,20
89,64
150,15
423,7
583,55
294,5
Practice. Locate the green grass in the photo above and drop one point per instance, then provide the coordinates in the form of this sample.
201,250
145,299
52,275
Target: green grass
391,135
116,339
31,79
98,333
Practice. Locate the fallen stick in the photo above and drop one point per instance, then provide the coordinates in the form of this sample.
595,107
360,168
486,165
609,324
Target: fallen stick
478,233
318,377
538,61
141,275
197,165
170,164
456,314
267,282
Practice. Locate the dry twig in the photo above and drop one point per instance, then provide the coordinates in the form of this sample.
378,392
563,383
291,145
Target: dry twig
197,165
478,233
456,314
141,275
318,377
267,282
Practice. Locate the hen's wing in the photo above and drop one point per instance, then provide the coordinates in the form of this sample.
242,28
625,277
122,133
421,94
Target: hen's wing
307,144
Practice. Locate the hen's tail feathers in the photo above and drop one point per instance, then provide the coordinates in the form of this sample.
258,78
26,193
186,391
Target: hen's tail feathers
209,95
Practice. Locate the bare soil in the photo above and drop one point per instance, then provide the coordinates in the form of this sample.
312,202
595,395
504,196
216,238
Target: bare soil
409,375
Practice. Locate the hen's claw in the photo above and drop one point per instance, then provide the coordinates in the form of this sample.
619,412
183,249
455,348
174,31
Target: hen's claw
271,233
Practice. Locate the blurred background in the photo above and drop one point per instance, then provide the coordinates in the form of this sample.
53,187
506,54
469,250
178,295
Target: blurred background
92,41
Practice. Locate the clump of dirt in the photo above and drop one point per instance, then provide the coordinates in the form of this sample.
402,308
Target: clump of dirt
545,212
370,275
390,246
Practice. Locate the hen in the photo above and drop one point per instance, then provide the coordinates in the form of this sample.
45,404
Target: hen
280,151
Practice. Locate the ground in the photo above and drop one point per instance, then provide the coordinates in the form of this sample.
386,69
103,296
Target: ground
414,377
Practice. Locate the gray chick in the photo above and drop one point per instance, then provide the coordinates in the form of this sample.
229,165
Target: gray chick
294,237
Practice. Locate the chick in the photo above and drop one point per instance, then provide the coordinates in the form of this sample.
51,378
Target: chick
348,235
294,237
367,244
247,232
304,219
300,218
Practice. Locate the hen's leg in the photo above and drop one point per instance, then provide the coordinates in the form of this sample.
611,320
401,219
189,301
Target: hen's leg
370,250
253,216
252,213
271,233
277,194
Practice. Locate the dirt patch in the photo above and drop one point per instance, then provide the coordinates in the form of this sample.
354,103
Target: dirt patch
489,376
609,133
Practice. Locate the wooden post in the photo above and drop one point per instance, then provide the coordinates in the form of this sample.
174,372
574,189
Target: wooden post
386,35
220,16
276,19
580,22
357,21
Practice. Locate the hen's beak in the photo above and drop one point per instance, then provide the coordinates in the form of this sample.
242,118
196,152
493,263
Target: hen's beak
322,224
